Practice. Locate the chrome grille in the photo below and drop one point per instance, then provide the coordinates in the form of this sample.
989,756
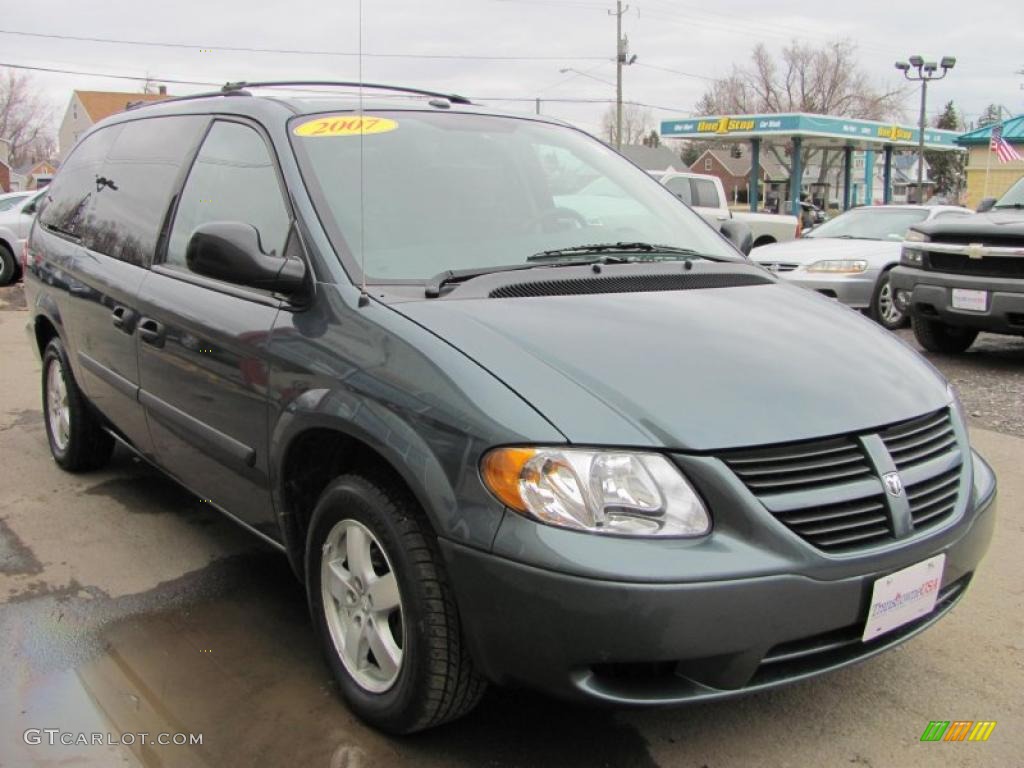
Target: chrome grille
799,466
779,266
932,501
915,442
830,493
843,526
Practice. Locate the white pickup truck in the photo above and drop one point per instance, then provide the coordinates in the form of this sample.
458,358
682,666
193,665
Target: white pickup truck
706,196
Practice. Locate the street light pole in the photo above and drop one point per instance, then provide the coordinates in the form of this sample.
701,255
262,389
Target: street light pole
920,141
926,72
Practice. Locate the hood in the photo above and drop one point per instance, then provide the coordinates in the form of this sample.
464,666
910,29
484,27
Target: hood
698,370
810,249
1006,222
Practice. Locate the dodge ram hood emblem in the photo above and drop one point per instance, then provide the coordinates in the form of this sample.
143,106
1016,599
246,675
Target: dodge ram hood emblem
893,483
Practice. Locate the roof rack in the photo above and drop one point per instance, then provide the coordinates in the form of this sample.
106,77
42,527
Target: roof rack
188,97
240,86
238,89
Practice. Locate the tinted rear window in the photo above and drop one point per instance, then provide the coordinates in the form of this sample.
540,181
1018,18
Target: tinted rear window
132,192
69,197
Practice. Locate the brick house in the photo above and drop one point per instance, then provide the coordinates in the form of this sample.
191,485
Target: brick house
5,168
732,167
87,108
33,176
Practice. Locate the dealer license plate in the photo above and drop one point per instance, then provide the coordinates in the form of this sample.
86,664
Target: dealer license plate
903,596
975,301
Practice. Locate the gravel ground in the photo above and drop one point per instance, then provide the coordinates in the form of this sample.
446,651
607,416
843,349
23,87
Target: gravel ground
990,377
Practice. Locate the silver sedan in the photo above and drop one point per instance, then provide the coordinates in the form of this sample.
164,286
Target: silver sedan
849,257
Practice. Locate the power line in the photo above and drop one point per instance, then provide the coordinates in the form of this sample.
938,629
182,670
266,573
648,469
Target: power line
179,81
54,70
677,72
290,51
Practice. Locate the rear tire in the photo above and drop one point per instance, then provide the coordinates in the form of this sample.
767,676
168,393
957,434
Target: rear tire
939,337
428,677
883,305
77,439
8,266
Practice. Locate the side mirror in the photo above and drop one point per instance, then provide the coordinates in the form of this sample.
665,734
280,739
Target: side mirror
230,251
739,234
986,204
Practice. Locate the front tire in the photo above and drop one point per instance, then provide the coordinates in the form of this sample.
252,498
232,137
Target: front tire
8,266
939,337
384,610
883,305
77,440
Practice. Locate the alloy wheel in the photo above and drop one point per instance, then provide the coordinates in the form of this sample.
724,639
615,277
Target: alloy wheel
58,412
363,606
887,308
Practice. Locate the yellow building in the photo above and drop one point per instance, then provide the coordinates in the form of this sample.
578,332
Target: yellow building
982,162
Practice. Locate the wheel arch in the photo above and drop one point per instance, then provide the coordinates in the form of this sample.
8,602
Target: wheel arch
764,240
309,450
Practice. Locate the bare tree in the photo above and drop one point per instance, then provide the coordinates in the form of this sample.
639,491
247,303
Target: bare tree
26,118
825,80
637,123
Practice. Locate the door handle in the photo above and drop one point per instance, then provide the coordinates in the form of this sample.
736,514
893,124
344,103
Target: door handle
123,318
152,332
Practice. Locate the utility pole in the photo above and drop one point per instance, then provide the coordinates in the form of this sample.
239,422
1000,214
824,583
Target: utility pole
622,58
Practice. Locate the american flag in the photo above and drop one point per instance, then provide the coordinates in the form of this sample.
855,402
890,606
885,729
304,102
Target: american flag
1001,147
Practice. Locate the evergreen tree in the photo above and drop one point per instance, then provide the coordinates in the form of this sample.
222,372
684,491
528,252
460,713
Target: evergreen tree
990,115
946,169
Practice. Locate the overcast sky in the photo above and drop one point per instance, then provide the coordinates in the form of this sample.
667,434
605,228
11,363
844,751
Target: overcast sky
700,40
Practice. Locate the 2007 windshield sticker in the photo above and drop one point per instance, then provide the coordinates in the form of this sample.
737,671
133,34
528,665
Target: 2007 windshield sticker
345,125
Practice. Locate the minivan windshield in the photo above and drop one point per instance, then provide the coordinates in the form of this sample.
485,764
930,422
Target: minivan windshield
413,194
1014,197
871,224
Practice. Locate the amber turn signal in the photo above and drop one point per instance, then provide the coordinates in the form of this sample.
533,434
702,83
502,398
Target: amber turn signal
501,470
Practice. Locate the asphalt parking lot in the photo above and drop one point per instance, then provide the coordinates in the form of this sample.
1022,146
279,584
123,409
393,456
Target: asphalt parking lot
128,606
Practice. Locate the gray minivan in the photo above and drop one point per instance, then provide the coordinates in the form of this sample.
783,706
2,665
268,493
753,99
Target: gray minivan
505,431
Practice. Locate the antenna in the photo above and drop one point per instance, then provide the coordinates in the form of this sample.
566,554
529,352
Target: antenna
364,298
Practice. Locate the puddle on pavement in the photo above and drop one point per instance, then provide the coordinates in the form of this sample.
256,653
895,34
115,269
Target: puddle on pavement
228,652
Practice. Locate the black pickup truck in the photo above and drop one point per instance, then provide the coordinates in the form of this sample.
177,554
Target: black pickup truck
963,275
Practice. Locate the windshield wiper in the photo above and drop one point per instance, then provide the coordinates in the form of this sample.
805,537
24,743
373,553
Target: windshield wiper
650,251
1009,205
449,276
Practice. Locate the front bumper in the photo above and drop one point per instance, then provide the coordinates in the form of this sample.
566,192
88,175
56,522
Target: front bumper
629,642
932,298
852,290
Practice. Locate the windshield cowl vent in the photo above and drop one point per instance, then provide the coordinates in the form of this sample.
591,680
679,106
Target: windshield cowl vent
627,284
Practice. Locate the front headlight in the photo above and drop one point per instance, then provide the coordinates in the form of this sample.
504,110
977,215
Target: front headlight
839,266
909,256
609,492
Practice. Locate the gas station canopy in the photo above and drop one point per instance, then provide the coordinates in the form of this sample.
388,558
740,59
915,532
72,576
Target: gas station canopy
805,131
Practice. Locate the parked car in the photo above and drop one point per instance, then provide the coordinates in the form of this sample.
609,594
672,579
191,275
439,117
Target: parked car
9,199
850,257
815,214
495,444
705,194
958,277
15,223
